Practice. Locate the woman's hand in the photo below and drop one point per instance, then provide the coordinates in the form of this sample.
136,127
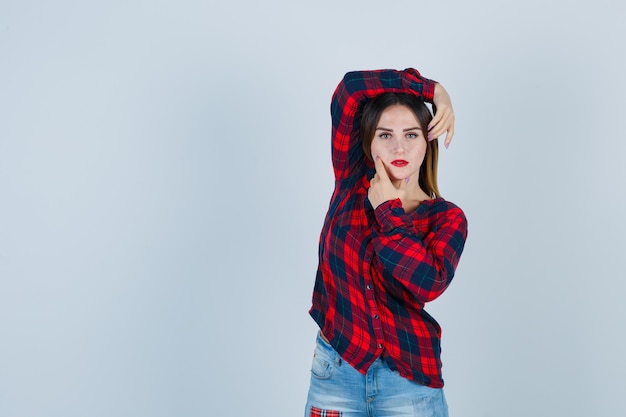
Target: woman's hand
444,119
381,188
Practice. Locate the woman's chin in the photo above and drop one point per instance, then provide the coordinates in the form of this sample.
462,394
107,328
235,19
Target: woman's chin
399,175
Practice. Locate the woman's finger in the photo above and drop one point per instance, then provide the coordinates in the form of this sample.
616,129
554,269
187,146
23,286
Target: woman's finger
449,137
445,125
381,171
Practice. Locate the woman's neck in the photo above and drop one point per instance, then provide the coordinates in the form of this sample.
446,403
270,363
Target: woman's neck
414,194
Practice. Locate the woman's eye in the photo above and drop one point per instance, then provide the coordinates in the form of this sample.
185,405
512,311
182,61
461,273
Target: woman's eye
385,136
411,135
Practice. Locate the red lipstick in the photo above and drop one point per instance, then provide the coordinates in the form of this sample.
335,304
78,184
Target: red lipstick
399,163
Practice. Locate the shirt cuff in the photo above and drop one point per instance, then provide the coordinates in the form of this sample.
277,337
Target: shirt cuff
390,216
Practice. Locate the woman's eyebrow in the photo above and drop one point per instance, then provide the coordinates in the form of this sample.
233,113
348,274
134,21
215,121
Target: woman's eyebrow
386,129
404,130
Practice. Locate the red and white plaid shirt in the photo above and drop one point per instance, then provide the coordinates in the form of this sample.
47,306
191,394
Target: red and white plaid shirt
377,268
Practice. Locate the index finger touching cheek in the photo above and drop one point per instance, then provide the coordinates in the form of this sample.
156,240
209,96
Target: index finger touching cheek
380,167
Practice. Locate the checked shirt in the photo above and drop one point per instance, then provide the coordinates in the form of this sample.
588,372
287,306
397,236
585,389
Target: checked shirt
378,268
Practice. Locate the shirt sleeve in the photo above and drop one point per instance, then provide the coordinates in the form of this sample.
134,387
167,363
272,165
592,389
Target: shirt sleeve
421,263
352,91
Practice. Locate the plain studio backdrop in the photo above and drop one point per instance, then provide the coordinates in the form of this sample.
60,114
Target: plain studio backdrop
165,170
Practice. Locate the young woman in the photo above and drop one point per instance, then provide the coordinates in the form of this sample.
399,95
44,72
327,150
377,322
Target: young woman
389,245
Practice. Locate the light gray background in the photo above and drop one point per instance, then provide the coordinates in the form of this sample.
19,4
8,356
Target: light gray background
165,170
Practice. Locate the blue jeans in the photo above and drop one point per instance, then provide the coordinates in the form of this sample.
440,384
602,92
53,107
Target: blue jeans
339,390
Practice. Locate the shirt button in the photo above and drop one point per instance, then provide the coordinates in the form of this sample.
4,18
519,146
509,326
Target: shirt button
380,346
369,286
376,316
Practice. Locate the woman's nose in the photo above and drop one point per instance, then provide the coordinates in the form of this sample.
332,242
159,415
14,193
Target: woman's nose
398,146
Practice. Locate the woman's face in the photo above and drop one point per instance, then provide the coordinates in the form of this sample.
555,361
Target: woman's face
399,142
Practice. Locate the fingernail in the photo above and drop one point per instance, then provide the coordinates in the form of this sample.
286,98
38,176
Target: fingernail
447,144
430,137
407,179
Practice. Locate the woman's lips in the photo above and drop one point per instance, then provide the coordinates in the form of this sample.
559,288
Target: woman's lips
399,163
